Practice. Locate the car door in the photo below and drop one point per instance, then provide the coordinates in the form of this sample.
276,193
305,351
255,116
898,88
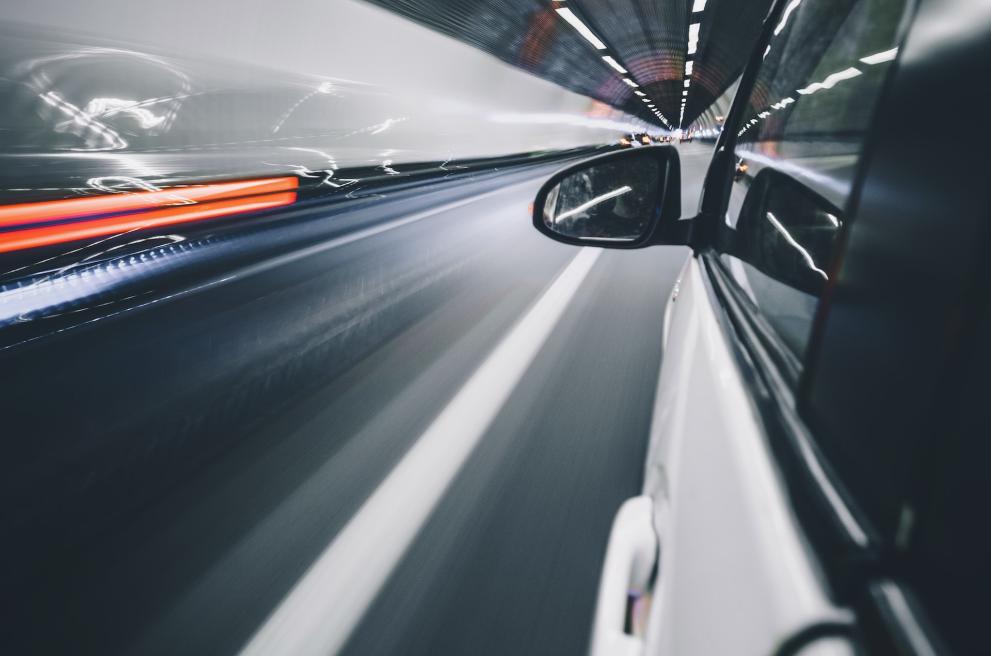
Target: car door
732,469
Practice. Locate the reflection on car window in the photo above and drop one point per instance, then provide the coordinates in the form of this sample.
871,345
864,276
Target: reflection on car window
806,120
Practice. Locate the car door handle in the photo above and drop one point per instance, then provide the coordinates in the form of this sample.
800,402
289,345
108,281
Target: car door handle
808,636
628,572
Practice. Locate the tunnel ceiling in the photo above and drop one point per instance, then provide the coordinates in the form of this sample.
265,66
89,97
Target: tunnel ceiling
650,39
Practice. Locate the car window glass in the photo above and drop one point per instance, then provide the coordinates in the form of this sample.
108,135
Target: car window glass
803,133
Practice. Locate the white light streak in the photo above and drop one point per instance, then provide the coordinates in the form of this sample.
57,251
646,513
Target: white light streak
108,107
382,127
792,6
615,64
88,124
831,81
561,118
794,244
880,57
592,203
581,28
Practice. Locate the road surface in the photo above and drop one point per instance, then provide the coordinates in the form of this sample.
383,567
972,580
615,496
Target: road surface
444,411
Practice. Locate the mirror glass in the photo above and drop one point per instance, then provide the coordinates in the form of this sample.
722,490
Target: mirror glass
614,200
788,232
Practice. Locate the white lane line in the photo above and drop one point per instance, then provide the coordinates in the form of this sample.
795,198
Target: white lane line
320,612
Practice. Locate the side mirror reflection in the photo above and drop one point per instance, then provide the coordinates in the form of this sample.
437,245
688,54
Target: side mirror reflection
615,200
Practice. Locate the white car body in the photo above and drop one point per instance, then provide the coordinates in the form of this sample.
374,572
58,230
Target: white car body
734,574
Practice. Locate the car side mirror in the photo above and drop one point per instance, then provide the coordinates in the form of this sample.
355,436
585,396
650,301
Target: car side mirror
787,231
629,199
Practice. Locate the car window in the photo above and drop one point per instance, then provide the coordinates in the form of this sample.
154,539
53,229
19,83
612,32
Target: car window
805,123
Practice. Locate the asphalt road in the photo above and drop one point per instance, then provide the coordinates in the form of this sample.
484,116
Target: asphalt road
412,440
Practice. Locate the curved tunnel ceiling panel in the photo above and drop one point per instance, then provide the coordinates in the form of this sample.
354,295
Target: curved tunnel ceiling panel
648,38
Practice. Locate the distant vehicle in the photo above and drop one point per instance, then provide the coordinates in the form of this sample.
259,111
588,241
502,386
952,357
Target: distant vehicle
687,137
816,477
634,140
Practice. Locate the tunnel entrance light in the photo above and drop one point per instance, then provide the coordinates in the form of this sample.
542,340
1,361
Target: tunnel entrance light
581,27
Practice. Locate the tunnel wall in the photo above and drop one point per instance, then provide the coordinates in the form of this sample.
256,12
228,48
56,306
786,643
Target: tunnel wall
189,89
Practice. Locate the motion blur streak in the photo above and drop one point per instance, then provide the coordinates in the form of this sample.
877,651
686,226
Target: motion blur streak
70,208
57,234
323,609
149,96
277,374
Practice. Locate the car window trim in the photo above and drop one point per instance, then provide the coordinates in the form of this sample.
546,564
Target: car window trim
788,364
892,621
846,545
718,178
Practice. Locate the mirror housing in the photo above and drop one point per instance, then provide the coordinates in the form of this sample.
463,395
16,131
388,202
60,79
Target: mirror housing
626,199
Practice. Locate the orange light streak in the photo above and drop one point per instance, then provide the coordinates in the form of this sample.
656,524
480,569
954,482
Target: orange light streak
34,237
74,208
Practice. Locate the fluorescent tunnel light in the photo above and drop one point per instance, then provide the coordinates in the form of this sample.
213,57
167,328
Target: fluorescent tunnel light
581,27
